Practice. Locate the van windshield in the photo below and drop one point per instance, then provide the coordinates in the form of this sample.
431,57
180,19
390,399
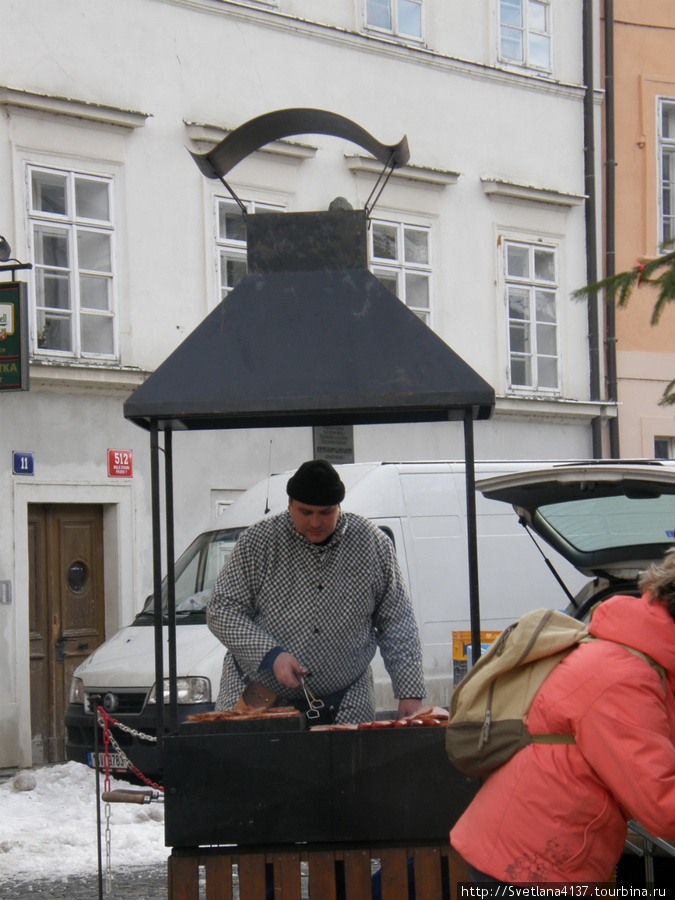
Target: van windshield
196,571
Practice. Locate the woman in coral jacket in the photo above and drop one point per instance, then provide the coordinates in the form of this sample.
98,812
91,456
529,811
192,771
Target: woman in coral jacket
559,812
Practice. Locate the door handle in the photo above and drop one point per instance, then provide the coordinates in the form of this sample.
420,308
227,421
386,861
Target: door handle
60,647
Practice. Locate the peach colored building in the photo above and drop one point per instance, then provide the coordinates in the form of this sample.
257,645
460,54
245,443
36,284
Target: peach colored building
644,129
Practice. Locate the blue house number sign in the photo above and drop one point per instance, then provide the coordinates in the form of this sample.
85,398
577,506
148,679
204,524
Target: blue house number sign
23,463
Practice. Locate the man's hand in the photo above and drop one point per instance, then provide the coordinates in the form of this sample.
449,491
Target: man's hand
408,706
288,670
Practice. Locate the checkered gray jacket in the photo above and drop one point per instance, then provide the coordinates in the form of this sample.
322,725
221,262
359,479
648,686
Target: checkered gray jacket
329,605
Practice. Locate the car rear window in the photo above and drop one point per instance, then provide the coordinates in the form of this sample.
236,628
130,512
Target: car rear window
606,522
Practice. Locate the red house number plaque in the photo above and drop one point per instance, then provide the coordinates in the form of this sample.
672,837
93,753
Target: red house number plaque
120,463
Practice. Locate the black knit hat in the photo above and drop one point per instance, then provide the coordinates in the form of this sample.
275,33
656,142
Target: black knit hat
316,483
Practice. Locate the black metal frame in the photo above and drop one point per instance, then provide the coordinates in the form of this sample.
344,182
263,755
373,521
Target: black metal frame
171,721
308,280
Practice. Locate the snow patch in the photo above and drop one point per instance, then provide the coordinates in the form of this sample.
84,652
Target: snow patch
51,832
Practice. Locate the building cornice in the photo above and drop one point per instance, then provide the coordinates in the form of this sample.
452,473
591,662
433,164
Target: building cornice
553,410
71,108
50,376
368,165
499,189
208,136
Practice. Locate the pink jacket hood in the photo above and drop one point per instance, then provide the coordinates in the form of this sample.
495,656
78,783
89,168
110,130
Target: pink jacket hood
641,623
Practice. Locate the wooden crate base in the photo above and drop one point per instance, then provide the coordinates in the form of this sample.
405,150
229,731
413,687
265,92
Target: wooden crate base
330,872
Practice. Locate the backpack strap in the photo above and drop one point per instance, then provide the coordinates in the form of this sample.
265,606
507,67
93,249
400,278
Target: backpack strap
553,739
652,662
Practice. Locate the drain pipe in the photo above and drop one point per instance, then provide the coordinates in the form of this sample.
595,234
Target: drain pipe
591,223
610,226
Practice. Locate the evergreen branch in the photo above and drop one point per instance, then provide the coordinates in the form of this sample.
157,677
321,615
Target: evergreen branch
668,398
666,282
658,272
620,286
622,283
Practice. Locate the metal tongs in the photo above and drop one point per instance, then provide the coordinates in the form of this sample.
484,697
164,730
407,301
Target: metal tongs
313,703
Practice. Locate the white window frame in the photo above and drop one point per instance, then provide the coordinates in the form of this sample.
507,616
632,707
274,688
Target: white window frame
72,225
532,351
233,249
529,31
394,17
400,269
666,204
669,446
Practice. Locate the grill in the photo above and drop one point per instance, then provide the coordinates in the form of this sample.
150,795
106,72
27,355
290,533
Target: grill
298,786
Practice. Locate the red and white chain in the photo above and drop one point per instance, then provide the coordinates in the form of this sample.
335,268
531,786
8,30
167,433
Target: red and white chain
106,721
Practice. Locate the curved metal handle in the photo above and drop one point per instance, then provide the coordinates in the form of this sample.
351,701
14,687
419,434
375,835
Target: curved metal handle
255,133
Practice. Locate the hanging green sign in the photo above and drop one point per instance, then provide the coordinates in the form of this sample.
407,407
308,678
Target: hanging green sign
13,337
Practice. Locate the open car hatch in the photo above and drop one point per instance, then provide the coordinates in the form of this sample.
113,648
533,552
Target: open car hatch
606,518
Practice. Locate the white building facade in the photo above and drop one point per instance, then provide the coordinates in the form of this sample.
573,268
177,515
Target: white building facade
483,234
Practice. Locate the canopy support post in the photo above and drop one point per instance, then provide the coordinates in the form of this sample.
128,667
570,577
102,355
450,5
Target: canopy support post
471,533
157,583
170,580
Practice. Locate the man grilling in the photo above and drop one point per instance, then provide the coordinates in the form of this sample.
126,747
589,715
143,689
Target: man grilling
304,601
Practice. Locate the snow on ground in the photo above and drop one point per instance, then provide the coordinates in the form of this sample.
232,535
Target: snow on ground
51,830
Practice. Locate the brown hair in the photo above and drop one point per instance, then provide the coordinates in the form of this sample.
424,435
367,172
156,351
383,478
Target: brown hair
659,581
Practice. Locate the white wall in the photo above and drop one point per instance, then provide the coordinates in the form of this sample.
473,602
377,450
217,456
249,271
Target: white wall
123,88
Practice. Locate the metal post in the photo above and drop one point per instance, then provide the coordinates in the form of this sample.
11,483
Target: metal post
591,223
610,226
170,580
471,534
649,862
157,583
95,699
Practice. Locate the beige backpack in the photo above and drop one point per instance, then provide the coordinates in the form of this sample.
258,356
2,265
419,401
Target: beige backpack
489,706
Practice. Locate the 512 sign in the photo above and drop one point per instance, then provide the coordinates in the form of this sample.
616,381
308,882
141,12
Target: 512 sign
120,463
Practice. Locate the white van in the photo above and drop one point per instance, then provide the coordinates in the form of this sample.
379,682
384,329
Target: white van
421,506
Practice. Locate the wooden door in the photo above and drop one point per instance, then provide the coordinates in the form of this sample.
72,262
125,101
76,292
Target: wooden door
67,612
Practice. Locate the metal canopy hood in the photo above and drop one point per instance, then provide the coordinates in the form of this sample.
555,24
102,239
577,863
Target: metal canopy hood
309,337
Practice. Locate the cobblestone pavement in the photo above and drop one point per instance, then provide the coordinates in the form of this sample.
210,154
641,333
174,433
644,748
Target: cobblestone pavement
129,884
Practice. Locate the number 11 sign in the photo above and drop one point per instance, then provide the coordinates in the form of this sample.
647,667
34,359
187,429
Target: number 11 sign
120,463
